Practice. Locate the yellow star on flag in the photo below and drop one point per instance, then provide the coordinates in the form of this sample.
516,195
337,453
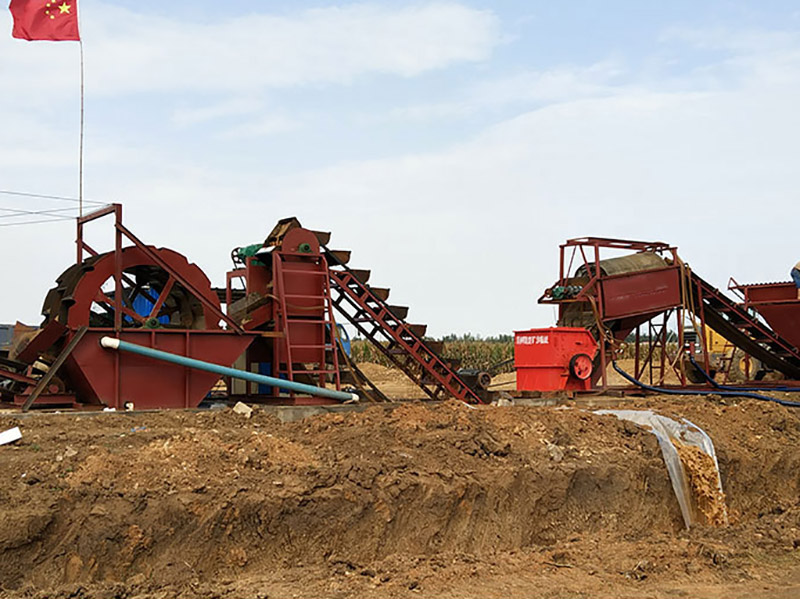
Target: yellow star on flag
64,8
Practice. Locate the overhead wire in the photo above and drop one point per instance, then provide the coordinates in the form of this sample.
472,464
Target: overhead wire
17,213
53,214
36,222
49,197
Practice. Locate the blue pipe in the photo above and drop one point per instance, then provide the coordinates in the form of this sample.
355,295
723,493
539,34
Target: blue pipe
714,383
118,344
783,402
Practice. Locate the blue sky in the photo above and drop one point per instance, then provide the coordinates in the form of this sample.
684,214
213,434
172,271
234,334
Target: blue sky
451,145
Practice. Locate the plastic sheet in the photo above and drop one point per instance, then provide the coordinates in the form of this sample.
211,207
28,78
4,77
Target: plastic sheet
668,432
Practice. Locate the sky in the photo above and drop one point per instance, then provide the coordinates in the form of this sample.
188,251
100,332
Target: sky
452,146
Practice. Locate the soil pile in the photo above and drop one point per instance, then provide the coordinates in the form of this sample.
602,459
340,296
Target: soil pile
701,471
455,500
392,382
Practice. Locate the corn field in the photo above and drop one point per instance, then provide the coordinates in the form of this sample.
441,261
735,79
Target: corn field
481,355
472,354
629,350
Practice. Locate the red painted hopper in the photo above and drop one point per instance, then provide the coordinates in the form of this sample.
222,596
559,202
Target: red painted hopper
554,359
778,304
147,383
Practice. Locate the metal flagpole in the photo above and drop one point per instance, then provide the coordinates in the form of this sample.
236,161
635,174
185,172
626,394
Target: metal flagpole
80,159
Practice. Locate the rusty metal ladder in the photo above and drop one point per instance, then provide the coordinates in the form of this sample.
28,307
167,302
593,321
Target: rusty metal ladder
326,352
401,343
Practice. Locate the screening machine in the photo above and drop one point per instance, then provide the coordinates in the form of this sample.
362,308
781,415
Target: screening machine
282,301
645,291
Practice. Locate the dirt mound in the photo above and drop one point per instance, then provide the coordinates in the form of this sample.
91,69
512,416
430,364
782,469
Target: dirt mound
382,501
392,382
505,381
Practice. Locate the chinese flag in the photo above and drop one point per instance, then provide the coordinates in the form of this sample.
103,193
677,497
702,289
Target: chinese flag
53,20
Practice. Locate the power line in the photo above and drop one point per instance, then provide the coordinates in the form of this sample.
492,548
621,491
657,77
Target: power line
16,213
49,197
36,222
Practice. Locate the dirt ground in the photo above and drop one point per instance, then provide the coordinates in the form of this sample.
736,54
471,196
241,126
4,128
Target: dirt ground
392,382
411,500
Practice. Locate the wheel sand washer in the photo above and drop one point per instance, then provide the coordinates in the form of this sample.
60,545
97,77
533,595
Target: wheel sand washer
278,327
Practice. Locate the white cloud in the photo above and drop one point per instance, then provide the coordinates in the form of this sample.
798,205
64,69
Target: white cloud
525,88
193,115
746,41
128,51
263,126
468,235
253,118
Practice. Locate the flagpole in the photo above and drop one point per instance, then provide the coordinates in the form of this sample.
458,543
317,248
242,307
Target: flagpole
80,159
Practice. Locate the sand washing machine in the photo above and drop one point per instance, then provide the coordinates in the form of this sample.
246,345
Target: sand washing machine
281,304
142,294
643,299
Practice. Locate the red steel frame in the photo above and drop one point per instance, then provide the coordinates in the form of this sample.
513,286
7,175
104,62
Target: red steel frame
632,298
297,324
308,330
396,339
636,311
121,231
195,343
776,302
772,342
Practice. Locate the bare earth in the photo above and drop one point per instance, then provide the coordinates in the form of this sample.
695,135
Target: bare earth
443,501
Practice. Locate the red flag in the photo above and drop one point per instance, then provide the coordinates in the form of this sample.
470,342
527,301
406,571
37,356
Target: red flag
53,20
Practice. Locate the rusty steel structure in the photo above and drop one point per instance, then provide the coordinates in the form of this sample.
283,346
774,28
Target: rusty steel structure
291,289
777,303
614,296
639,296
281,303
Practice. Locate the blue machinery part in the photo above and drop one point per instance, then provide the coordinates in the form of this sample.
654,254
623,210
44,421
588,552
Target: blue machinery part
118,344
344,337
715,384
629,378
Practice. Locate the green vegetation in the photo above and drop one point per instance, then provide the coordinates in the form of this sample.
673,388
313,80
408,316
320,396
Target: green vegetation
483,353
472,351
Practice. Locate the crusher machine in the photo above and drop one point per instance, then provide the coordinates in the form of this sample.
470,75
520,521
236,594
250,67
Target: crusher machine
639,296
283,299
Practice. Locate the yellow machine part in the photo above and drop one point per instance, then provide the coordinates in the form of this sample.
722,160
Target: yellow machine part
717,344
721,350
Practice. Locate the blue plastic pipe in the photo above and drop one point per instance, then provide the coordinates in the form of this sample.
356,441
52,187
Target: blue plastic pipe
118,344
783,402
781,388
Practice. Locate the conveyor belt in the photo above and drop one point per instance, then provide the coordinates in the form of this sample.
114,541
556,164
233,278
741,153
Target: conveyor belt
743,330
383,325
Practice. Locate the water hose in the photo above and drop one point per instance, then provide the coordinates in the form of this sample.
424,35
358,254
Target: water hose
629,378
715,384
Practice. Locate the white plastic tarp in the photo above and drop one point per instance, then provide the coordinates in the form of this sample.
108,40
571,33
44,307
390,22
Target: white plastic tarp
666,431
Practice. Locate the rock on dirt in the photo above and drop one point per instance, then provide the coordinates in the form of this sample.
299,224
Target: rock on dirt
243,409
